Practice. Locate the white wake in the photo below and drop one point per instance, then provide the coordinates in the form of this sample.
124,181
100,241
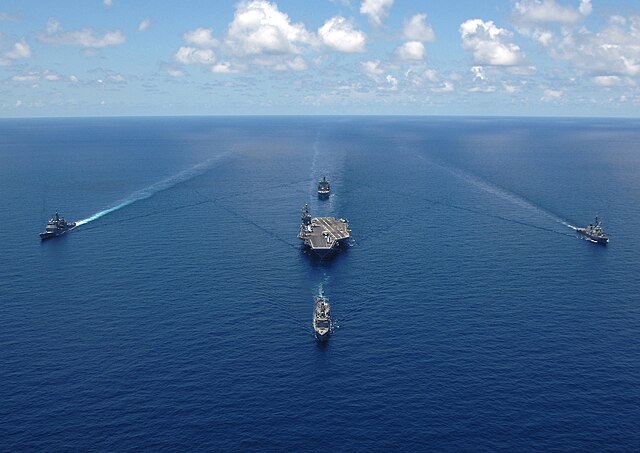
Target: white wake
148,192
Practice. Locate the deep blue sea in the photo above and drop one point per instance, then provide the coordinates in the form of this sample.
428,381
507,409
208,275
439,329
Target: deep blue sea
468,314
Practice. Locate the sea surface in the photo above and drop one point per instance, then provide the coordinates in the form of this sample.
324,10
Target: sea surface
468,314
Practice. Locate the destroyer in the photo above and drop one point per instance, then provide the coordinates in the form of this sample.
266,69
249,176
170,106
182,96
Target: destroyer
322,318
56,226
324,189
323,235
594,232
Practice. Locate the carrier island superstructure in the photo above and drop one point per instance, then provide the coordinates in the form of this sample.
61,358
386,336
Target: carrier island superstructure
323,235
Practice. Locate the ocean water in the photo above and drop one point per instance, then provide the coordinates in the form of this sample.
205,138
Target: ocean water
468,315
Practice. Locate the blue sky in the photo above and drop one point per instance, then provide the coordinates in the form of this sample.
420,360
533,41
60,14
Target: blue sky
398,57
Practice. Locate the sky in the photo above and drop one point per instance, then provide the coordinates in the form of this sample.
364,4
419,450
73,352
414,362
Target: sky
78,58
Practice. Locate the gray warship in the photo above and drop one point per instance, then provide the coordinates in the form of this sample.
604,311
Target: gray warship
323,235
56,226
322,318
595,232
324,189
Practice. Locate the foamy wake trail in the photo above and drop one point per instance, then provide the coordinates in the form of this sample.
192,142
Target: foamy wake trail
314,163
488,187
320,288
153,189
504,194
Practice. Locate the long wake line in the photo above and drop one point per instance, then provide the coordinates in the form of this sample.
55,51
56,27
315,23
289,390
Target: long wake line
500,192
153,189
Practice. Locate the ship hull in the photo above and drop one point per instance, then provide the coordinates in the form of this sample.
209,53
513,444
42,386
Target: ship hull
45,235
322,319
326,252
322,336
598,239
323,195
322,253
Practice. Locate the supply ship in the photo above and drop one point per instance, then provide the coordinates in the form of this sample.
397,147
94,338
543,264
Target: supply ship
595,232
56,226
324,188
323,235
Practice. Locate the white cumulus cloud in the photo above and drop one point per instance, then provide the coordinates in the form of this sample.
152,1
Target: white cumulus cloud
613,81
30,77
116,78
260,34
585,7
612,51
85,38
376,10
544,37
259,27
550,95
201,37
20,50
545,21
51,76
544,11
372,69
411,50
478,73
446,87
489,44
483,89
608,56
338,33
511,89
224,67
417,29
144,24
175,72
294,64
194,56
392,81
541,11
53,26
431,75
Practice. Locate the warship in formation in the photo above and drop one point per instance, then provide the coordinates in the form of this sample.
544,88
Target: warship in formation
56,226
324,188
323,235
595,232
322,318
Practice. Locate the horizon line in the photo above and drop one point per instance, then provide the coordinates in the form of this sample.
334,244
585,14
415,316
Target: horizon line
321,115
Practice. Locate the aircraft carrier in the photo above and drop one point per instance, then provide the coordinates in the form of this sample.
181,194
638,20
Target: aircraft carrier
323,235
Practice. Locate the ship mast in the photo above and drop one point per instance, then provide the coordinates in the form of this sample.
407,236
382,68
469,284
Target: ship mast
306,217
